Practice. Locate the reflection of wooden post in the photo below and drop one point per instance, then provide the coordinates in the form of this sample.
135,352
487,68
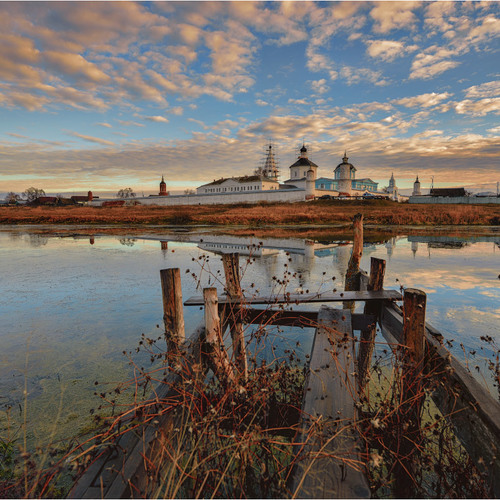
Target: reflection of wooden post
367,337
217,356
352,273
412,396
173,316
232,272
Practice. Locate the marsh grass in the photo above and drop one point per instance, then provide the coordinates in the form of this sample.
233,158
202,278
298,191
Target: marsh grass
379,212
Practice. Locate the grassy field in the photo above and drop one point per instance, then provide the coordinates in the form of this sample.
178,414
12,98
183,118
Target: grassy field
377,212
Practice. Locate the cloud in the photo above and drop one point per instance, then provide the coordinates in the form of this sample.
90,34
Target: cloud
319,86
357,75
129,123
89,138
157,119
389,16
431,63
388,50
487,89
478,108
104,124
74,65
423,100
260,102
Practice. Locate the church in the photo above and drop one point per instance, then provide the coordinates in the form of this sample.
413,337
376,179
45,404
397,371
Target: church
343,183
265,178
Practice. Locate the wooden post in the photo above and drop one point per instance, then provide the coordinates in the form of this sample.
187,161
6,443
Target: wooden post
232,272
217,355
351,277
173,316
367,337
352,273
412,395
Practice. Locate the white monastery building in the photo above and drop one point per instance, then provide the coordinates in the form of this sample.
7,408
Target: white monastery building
263,185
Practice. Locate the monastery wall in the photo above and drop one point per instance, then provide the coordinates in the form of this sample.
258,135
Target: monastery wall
285,195
463,200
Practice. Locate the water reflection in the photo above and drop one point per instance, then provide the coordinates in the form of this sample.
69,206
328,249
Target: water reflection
74,303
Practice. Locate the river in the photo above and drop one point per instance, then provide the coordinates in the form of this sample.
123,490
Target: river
71,305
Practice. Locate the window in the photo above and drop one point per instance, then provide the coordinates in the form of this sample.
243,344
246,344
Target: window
322,186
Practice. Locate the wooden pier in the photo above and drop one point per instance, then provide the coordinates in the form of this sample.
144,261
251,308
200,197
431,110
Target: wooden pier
330,462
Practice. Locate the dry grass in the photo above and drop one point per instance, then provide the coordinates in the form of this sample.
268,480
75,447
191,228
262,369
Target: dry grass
261,215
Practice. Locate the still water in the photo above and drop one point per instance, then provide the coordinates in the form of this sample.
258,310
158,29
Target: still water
70,306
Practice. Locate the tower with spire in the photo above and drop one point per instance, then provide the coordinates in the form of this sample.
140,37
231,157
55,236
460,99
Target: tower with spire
416,188
345,173
163,187
270,167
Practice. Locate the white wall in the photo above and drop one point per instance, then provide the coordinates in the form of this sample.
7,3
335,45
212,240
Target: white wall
463,200
218,198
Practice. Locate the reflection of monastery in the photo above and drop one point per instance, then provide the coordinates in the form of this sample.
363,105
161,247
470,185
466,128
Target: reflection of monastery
263,185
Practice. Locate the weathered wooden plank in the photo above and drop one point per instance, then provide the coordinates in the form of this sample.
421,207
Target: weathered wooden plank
329,446
305,319
474,413
297,298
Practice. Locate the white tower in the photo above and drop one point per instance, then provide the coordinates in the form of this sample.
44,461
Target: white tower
416,188
345,173
310,184
392,188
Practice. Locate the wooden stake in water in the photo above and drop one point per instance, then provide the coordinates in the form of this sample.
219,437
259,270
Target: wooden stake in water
367,337
233,286
216,353
412,395
173,315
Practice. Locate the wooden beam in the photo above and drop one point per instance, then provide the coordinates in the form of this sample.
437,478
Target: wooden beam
173,316
233,287
304,319
462,400
328,464
215,351
298,298
367,337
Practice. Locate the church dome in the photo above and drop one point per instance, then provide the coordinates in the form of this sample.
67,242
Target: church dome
345,162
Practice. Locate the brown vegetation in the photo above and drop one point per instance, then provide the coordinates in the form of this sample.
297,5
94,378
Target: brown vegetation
378,212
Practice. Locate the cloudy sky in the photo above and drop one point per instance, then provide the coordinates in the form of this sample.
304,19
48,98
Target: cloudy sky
109,95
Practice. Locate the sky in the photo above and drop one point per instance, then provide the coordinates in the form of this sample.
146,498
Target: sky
106,95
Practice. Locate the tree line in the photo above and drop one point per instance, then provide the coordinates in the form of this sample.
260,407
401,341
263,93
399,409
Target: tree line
32,194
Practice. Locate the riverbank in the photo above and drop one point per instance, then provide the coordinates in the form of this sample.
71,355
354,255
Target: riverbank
262,215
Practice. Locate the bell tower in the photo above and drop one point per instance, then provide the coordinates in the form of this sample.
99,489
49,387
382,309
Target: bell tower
163,188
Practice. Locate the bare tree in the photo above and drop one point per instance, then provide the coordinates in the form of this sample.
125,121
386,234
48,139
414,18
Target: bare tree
32,194
125,193
12,197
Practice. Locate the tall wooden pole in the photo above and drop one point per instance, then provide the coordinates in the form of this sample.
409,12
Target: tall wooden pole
233,287
352,273
412,394
367,337
216,353
173,315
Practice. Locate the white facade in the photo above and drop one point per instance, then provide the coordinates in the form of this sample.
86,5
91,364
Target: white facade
248,184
